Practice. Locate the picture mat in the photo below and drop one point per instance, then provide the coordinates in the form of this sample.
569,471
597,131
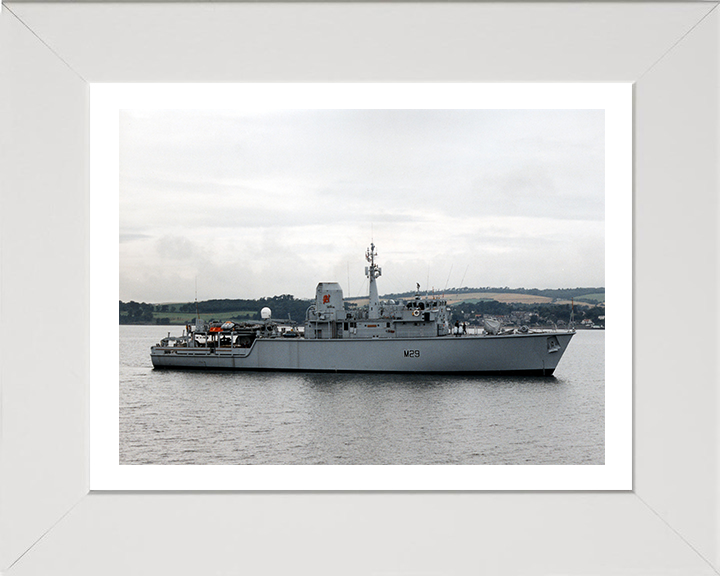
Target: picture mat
107,100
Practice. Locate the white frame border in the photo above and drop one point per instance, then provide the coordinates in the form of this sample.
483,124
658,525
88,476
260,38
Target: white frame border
670,523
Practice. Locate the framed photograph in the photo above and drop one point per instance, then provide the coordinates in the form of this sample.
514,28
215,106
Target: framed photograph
69,501
283,186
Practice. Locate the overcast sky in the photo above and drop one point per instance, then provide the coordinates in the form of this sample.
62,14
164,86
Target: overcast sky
258,204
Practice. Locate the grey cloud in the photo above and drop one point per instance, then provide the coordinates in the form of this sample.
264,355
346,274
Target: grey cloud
129,237
262,203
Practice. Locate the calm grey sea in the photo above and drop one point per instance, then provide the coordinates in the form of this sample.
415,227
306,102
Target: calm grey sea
189,417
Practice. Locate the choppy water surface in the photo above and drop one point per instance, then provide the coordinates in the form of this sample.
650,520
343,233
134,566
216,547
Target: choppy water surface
189,417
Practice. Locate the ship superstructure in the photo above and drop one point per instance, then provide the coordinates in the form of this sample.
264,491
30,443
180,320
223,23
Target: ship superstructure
415,318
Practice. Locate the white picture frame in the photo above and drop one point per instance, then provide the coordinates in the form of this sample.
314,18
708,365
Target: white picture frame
666,525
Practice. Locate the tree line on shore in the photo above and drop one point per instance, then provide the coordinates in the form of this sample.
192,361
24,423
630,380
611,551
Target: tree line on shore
287,307
283,307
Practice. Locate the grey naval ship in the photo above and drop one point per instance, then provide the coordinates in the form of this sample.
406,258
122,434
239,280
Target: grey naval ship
407,336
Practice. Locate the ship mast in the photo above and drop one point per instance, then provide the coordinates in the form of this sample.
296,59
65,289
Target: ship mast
372,272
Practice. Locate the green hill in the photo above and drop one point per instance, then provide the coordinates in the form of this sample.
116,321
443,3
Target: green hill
287,306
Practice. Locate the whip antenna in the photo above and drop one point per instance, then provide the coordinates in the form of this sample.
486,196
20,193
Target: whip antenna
197,311
448,280
463,278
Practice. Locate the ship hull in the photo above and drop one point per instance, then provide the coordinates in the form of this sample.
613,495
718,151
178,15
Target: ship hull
531,354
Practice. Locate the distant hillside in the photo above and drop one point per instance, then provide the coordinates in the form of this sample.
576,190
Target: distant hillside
487,300
587,296
283,307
